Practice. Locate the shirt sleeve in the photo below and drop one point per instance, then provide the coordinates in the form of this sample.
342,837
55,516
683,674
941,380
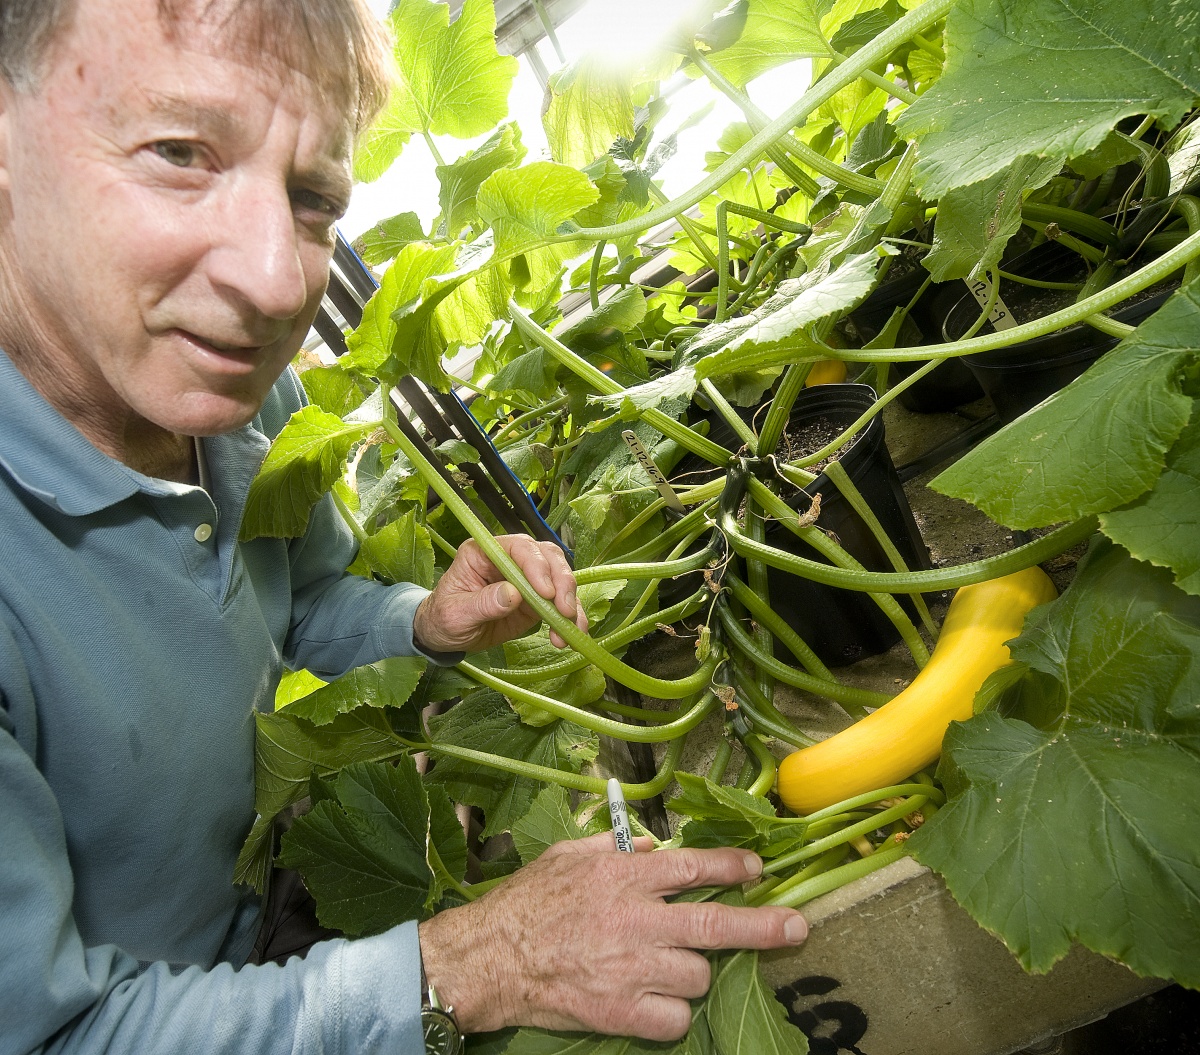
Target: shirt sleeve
59,996
342,621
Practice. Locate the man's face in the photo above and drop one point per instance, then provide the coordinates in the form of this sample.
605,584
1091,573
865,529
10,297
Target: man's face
172,212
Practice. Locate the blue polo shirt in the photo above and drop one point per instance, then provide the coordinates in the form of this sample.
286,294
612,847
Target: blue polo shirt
137,639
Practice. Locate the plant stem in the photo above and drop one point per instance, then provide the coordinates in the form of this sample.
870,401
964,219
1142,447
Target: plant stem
832,690
720,762
767,766
767,617
780,410
829,549
823,884
1041,549
893,791
1153,272
646,570
356,529
730,416
646,684
764,716
605,385
916,21
596,723
575,781
845,835
841,480
437,157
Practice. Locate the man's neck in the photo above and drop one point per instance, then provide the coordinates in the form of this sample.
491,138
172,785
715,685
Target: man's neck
130,439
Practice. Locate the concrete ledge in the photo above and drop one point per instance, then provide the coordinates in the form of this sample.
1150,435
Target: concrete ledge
893,966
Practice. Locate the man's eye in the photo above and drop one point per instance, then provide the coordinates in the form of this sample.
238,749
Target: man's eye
175,152
307,199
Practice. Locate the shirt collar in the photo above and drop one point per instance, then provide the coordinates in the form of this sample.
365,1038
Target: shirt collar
55,463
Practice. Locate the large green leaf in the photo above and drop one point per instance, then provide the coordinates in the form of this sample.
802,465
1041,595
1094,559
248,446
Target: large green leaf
452,80
1097,444
401,551
288,752
776,31
590,105
1048,78
1163,526
526,206
371,343
1085,825
460,181
725,816
776,330
301,466
364,852
975,223
381,243
388,683
483,721
743,1014
548,821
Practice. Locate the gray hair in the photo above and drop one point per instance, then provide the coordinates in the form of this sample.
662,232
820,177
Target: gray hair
338,43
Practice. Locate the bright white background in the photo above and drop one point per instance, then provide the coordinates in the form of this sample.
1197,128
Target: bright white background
604,27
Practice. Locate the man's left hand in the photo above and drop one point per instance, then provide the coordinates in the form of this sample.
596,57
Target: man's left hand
474,607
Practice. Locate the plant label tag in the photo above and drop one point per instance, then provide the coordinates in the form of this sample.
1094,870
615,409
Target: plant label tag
1000,318
647,463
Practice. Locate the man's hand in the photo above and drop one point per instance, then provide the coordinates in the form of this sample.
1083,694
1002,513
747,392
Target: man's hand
581,939
473,607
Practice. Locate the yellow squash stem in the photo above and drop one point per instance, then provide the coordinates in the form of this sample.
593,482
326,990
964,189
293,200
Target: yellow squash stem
905,734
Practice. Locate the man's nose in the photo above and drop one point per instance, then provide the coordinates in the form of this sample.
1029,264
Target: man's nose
260,256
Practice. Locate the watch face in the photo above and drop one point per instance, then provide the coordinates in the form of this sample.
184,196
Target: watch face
441,1034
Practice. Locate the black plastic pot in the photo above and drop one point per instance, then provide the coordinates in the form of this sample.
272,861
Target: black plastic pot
951,384
841,626
1021,376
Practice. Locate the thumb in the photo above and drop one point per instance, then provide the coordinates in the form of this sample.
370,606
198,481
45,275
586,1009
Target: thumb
498,600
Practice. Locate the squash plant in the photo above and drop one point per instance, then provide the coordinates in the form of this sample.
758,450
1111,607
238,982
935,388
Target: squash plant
939,132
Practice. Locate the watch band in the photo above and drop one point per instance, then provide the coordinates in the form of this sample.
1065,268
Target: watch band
440,1027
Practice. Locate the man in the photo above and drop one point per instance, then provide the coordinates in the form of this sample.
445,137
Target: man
170,172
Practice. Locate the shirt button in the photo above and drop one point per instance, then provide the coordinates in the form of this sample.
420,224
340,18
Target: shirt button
203,533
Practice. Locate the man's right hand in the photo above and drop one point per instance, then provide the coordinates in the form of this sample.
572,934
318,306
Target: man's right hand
582,939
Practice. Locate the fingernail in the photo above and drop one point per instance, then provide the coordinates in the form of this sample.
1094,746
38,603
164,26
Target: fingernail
512,596
796,929
753,865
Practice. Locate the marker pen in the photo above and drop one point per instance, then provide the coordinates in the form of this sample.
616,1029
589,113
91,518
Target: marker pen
622,833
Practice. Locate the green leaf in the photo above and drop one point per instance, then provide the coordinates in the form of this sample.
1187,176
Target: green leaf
527,205
371,343
460,181
363,853
388,683
1098,443
301,466
776,32
725,816
1048,78
547,822
419,344
675,385
1114,150
289,750
590,106
975,223
401,551
452,80
332,389
1085,826
484,721
294,685
1163,526
743,1014
776,328
384,241
623,311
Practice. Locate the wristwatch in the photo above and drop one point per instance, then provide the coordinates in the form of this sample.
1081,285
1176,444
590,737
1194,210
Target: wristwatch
442,1035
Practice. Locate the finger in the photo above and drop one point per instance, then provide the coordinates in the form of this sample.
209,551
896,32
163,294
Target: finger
497,601
715,926
529,557
563,578
683,973
672,871
656,1017
594,844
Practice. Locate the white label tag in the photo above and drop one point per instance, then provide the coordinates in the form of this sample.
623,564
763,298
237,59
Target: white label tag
647,463
1000,318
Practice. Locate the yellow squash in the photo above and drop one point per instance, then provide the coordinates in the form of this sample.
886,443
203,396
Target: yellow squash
826,372
905,734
